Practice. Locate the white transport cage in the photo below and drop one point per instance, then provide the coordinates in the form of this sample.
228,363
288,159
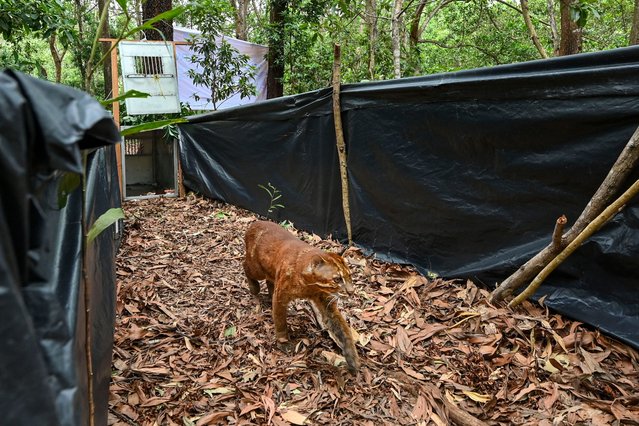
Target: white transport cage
149,67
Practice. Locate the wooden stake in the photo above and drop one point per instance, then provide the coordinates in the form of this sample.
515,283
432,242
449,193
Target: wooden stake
341,145
115,107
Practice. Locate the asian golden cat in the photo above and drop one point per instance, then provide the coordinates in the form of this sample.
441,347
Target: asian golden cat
293,270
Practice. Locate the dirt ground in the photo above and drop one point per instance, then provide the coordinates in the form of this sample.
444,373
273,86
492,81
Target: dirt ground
193,347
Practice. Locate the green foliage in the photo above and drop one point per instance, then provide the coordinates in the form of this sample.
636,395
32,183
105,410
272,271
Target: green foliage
153,125
107,219
274,195
230,331
21,17
68,183
462,34
26,55
126,95
221,69
581,10
219,66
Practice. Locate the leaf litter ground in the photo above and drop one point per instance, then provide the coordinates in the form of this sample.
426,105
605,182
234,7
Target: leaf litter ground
193,347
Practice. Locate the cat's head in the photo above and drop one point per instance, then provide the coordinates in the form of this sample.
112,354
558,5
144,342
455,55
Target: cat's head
329,272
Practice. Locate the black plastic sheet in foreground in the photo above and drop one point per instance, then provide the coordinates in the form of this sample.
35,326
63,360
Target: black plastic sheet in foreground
43,370
463,174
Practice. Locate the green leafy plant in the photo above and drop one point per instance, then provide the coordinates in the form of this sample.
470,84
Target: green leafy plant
222,69
274,195
286,224
581,10
219,66
105,220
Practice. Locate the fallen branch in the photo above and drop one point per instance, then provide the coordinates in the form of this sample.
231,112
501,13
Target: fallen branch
610,186
593,227
559,230
457,415
461,417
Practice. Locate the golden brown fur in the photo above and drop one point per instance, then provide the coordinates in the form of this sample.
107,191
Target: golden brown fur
296,270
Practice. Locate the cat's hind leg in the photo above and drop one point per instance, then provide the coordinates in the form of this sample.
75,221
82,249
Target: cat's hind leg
254,285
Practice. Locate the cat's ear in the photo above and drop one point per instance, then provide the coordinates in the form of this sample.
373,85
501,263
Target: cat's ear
316,263
317,266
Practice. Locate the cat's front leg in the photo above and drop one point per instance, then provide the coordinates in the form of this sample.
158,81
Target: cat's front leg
280,309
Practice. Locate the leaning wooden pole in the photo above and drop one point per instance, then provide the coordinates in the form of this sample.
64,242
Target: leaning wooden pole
341,145
611,185
592,227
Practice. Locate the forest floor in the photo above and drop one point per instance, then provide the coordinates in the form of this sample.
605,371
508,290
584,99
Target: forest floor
193,347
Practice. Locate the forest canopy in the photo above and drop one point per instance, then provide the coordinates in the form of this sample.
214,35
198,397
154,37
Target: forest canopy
380,39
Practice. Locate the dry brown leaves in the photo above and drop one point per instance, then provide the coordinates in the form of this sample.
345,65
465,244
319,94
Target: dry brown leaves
192,347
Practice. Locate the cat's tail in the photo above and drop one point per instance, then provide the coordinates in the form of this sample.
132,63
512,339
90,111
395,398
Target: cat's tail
332,321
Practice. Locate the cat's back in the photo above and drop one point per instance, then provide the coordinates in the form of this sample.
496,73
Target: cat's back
268,236
265,230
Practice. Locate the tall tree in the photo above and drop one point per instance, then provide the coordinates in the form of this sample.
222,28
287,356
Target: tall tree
634,30
240,8
276,35
103,7
396,37
370,18
571,32
163,29
554,33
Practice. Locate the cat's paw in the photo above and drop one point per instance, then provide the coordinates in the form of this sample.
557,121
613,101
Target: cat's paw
286,346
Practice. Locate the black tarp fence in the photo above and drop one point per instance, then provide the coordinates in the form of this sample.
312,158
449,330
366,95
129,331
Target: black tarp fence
463,174
43,359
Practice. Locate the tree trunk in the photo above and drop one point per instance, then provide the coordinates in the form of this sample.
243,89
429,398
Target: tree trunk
79,51
414,25
371,26
163,30
106,65
240,8
275,77
634,31
396,26
57,58
531,29
627,160
554,33
570,32
417,30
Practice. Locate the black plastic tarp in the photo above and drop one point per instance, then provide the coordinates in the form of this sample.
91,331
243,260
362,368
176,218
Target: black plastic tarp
463,174
43,358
